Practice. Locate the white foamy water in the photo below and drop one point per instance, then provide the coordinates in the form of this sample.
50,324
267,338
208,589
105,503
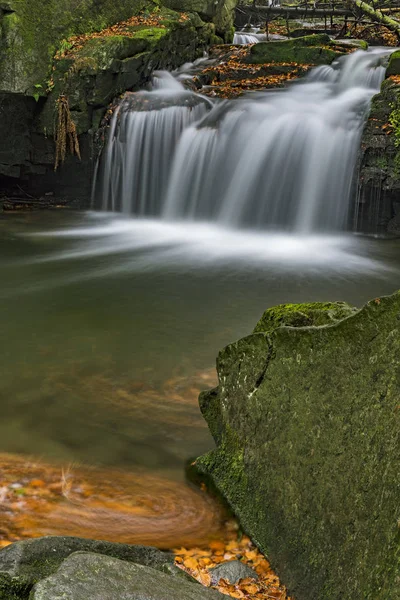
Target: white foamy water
278,160
246,37
153,244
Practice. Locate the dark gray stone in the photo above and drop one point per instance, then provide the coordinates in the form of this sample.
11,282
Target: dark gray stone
379,173
16,116
232,571
394,225
24,563
85,576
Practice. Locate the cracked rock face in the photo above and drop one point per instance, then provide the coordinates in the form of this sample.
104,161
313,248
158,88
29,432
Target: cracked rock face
306,420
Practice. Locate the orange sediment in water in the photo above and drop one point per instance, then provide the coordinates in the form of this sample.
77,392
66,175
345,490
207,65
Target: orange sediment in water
38,499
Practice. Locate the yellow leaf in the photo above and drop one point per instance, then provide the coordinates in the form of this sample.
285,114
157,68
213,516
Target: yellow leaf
191,563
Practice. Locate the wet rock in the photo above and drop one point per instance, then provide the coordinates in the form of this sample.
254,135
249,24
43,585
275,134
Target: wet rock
394,64
310,49
16,118
24,563
85,575
306,423
232,571
394,225
379,174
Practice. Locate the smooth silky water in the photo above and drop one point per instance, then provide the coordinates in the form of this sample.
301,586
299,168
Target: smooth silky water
205,215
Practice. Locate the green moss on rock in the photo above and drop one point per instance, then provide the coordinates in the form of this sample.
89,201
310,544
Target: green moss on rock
107,66
311,49
30,36
307,425
220,13
394,64
303,315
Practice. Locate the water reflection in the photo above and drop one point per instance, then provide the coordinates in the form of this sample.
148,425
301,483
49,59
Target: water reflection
111,325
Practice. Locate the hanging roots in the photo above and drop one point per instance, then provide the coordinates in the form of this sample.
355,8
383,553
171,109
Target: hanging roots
65,132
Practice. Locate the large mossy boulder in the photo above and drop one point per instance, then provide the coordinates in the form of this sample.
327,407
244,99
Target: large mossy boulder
31,32
219,12
311,49
106,66
306,419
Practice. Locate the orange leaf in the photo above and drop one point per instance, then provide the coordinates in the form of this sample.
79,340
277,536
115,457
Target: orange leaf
217,545
205,579
191,563
250,588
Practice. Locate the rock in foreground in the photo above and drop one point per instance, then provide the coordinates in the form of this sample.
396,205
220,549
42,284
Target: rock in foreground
25,563
84,575
306,421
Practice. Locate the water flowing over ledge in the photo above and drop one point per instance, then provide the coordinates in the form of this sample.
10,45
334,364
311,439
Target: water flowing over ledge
282,159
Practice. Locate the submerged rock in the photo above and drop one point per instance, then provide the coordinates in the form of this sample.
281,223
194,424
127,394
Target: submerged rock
306,421
24,563
84,575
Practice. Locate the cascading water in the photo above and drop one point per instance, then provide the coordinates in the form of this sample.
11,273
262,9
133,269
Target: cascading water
144,134
281,159
248,37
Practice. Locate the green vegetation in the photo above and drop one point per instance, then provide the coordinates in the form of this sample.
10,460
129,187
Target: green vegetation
302,315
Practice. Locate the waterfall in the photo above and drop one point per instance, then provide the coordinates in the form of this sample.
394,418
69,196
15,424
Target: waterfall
279,159
143,136
246,37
